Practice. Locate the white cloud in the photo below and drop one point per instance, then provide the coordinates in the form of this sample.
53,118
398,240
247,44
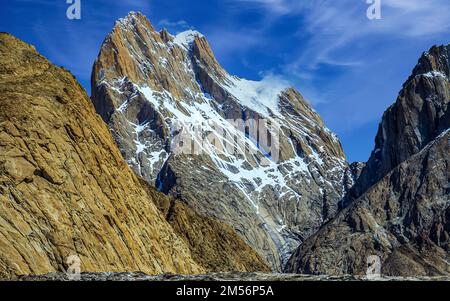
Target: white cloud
336,34
335,24
174,26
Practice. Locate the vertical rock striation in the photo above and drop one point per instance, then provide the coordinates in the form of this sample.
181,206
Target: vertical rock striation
64,187
419,115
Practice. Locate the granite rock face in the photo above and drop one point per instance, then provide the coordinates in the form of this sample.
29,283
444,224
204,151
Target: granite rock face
66,190
419,115
214,245
254,155
403,212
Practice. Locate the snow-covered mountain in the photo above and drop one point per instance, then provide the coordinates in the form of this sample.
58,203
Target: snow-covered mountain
253,154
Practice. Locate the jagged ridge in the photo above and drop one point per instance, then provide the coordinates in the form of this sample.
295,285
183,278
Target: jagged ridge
66,190
146,82
403,210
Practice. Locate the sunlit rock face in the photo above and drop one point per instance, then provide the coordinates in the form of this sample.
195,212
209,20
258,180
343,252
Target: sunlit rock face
68,197
65,189
254,155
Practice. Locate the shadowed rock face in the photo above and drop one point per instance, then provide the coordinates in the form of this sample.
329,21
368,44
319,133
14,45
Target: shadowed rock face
404,210
419,115
404,219
66,190
214,245
145,83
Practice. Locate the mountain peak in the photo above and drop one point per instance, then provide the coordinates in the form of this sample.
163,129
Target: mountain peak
420,113
81,180
105,214
132,15
434,62
166,36
132,20
400,202
183,122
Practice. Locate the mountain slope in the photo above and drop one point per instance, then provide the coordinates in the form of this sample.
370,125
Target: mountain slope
66,190
64,187
214,245
254,155
404,219
405,216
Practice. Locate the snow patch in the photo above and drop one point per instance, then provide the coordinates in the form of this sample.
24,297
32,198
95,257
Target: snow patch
186,38
433,74
262,96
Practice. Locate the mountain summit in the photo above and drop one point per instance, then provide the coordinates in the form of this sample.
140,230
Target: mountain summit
191,170
253,154
420,114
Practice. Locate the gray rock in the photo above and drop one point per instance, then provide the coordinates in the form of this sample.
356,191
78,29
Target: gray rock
399,208
419,115
403,219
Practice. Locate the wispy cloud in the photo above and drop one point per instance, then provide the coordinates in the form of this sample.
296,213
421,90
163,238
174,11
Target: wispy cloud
351,68
336,24
332,32
174,26
278,7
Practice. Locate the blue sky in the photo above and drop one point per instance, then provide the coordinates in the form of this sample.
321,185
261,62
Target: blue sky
349,67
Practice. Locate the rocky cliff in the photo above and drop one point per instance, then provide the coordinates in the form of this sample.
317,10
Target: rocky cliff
65,188
403,213
254,155
419,115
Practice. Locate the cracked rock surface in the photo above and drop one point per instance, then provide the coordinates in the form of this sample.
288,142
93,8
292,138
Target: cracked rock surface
65,188
403,212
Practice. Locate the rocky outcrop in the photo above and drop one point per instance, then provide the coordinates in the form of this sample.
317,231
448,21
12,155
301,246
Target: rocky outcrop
194,131
404,219
356,169
402,215
64,187
419,115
